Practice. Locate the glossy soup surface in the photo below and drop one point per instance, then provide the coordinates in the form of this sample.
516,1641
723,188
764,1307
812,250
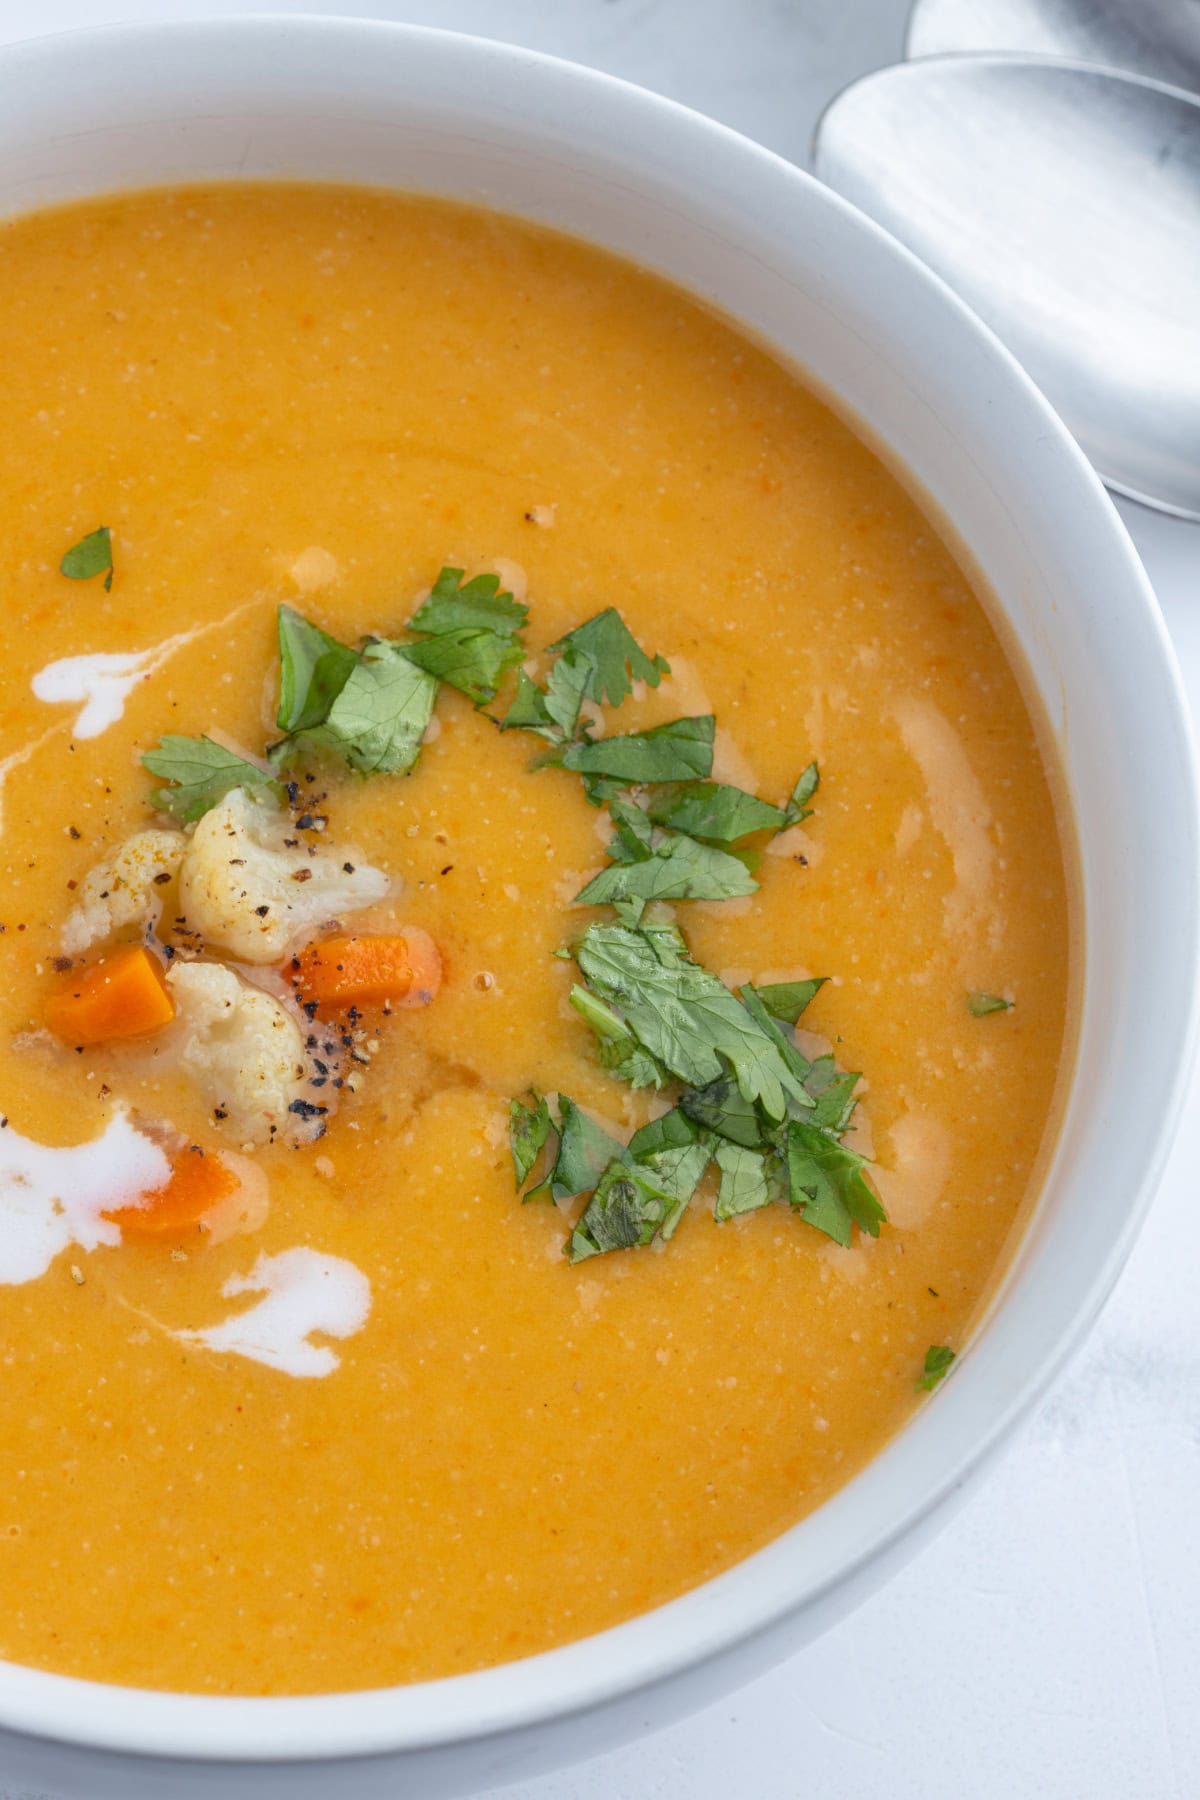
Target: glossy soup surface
512,1451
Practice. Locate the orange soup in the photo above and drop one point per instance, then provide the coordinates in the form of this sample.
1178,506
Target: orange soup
535,932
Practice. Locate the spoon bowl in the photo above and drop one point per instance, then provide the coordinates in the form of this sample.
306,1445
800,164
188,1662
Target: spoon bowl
1155,38
1062,202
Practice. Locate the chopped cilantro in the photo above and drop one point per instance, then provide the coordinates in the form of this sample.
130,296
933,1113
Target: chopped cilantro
745,1185
678,868
938,1358
676,751
479,604
671,1131
832,1092
723,1108
623,1212
635,1200
313,670
473,660
614,657
92,555
979,1005
377,720
202,773
585,1150
598,661
797,807
528,1129
616,1047
683,1015
566,687
786,1000
710,809
827,1185
529,711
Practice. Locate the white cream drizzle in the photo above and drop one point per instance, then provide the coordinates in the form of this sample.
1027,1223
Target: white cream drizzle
103,681
50,1198
305,1291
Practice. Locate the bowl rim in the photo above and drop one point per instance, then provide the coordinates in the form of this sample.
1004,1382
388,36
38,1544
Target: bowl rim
705,1622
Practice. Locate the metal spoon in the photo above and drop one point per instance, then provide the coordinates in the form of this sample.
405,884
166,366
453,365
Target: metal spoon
1155,38
1063,204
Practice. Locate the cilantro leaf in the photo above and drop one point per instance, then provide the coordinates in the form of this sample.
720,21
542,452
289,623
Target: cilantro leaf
672,1131
566,686
710,809
528,1129
744,1183
827,1185
722,1107
938,1358
683,1015
675,1172
313,670
979,1005
585,1150
598,790
634,840
786,1000
478,604
636,1200
529,711
623,1213
616,658
378,719
679,868
675,751
832,1092
799,1065
203,773
470,659
616,1047
92,555
797,807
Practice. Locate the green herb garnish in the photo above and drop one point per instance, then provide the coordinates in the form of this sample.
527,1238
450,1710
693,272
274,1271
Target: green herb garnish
938,1358
827,1186
676,751
786,1000
711,810
598,661
475,662
613,657
797,807
371,705
683,1015
203,773
313,670
378,718
979,1005
677,868
92,555
746,1182
479,604
528,1129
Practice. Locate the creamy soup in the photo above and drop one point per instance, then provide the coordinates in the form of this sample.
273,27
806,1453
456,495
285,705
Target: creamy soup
300,1392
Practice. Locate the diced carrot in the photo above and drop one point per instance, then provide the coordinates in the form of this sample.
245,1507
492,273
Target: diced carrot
199,1179
366,969
123,996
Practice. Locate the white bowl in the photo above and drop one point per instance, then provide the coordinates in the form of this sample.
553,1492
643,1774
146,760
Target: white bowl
389,105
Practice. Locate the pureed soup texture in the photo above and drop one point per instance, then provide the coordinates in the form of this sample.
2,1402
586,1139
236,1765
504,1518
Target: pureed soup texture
535,943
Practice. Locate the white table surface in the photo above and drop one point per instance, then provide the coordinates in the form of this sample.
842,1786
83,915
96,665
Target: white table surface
1049,1642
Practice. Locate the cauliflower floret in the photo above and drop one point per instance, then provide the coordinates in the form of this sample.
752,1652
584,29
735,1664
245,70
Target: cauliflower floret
248,894
245,1054
121,890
